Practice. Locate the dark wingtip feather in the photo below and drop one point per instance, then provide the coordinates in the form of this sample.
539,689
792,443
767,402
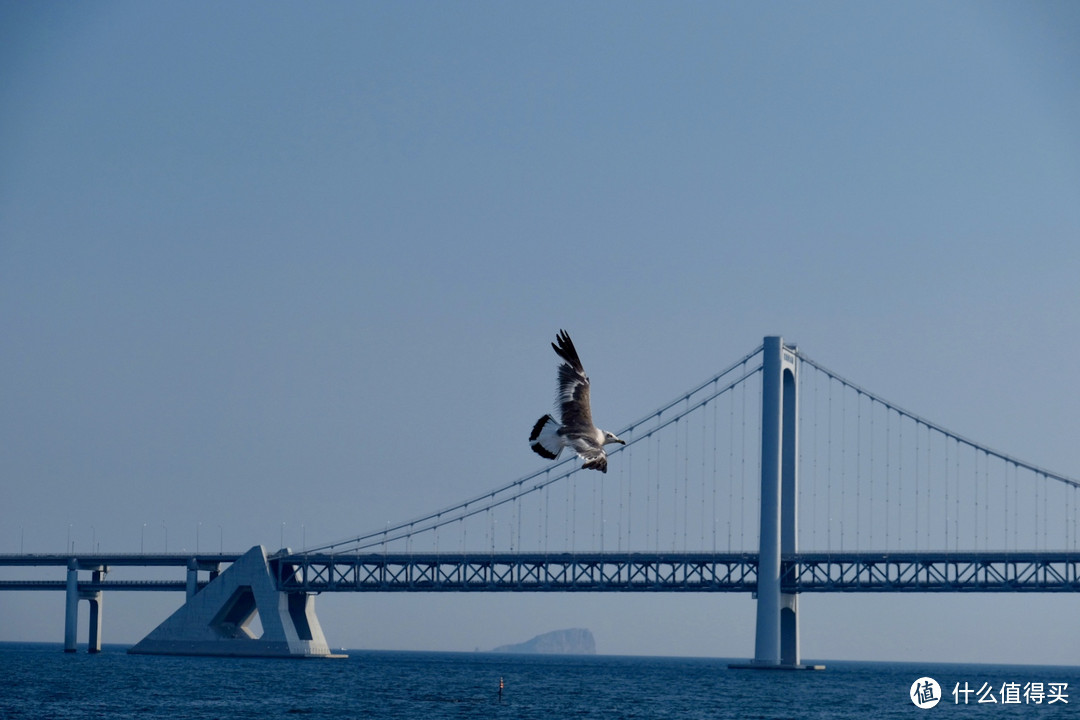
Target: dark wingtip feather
566,350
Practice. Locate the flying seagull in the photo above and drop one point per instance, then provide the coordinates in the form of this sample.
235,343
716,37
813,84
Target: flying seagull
576,431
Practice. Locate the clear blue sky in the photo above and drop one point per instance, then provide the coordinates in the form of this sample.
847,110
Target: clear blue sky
301,263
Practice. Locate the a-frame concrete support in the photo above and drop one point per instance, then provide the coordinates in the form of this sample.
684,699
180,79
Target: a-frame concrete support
217,619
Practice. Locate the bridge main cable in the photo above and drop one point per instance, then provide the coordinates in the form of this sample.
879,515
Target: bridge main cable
486,501
938,428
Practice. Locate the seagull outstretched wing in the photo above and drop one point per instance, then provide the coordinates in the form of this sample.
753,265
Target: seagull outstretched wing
573,387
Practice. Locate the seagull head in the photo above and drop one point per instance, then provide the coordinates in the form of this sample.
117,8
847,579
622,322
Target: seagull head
610,438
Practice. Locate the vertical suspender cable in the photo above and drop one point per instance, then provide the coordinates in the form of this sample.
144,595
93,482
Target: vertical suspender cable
547,511
956,530
1005,518
629,499
1046,514
1036,527
986,508
715,410
686,477
1070,520
858,470
571,502
843,463
814,463
742,479
802,409
648,490
929,482
873,443
899,481
603,476
829,474
888,471
704,429
917,464
1068,499
619,517
659,472
1068,516
975,483
946,492
675,478
731,467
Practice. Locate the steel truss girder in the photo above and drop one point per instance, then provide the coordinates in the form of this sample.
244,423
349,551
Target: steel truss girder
593,572
933,572
679,572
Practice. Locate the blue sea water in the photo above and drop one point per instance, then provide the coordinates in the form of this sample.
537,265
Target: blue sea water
40,681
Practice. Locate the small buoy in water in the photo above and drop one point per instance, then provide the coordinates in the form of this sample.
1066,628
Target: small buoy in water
500,688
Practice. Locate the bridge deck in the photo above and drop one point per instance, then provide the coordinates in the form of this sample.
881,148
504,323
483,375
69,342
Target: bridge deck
110,585
604,572
92,561
680,572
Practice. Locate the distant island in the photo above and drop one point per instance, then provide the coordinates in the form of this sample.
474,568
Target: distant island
575,641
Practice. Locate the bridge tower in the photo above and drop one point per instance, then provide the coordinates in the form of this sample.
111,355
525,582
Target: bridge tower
777,632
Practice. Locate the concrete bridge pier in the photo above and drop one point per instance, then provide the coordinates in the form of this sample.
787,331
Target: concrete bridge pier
71,619
192,578
94,598
71,616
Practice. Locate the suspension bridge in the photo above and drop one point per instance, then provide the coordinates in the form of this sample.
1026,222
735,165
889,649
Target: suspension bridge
777,477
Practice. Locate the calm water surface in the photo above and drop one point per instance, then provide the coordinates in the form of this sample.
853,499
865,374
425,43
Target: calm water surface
40,681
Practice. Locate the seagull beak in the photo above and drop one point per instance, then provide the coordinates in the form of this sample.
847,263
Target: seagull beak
621,442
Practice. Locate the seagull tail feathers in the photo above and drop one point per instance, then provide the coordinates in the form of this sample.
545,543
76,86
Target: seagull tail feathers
544,438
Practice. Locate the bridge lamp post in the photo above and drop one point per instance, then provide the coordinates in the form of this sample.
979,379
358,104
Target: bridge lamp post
165,530
197,526
69,546
221,540
142,540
